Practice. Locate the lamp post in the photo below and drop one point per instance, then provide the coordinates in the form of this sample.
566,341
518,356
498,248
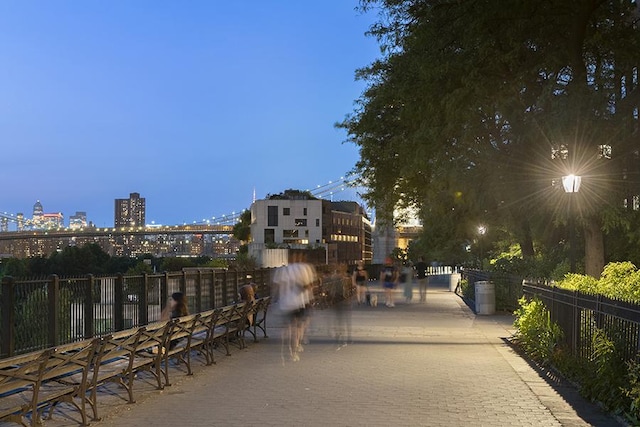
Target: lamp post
481,231
571,184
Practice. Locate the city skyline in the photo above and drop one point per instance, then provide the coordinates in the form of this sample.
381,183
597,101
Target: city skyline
192,107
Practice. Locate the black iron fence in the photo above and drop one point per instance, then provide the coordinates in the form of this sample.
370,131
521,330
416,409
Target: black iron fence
581,315
38,314
507,286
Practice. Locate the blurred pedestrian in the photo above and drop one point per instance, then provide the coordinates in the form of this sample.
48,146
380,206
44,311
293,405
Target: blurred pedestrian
295,293
247,294
423,279
389,278
406,278
176,307
360,280
339,296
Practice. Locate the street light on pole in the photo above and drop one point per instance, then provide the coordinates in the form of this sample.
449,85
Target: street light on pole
571,184
482,230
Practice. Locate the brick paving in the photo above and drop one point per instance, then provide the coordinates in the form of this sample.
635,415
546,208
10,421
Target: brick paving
433,364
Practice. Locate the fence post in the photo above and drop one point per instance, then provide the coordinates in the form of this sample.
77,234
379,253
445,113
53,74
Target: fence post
164,290
143,301
8,316
236,283
199,292
118,303
88,307
183,283
576,325
212,289
53,297
224,288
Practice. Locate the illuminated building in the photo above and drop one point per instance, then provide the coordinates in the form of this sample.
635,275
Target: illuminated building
298,220
130,212
38,213
78,221
52,220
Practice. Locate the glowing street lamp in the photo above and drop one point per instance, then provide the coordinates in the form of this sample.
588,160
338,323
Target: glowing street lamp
571,184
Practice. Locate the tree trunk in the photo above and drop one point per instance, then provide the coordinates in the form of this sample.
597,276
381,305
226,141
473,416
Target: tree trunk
526,241
594,247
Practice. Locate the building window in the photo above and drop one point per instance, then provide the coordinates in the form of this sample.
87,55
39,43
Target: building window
604,151
301,222
272,216
304,211
559,152
317,222
290,234
269,235
286,211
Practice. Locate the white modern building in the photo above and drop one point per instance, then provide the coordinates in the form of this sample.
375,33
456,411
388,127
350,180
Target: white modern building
287,222
295,220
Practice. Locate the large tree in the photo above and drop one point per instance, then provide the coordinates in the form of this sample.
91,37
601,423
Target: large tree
476,107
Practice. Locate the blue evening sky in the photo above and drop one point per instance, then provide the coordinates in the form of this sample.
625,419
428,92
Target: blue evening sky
192,104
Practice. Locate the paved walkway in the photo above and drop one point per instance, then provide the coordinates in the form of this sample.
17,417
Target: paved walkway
432,364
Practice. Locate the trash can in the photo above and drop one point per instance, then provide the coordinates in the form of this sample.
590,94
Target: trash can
454,280
485,298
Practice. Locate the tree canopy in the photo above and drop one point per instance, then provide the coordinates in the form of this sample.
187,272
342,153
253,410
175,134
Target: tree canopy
476,109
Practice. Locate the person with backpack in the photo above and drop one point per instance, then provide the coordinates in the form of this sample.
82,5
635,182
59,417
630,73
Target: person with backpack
389,278
423,279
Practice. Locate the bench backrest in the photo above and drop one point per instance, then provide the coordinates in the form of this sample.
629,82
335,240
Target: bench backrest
22,371
74,358
204,322
154,335
182,327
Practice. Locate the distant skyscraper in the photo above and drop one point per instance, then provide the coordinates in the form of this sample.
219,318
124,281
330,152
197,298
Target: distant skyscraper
77,221
38,214
130,212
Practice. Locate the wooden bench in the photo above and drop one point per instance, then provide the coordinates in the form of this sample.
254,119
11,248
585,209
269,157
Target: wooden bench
177,343
31,383
123,354
20,379
258,314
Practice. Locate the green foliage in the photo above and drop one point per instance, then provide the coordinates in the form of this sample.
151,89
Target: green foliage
632,391
466,139
618,280
536,334
468,291
242,229
31,319
603,375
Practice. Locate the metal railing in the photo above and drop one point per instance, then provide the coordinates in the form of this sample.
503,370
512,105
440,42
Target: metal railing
42,313
508,287
581,315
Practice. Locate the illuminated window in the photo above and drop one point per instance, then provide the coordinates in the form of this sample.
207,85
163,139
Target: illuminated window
604,151
559,152
290,234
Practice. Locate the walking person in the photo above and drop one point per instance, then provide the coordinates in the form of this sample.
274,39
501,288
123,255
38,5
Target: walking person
360,280
290,298
423,279
389,278
406,278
